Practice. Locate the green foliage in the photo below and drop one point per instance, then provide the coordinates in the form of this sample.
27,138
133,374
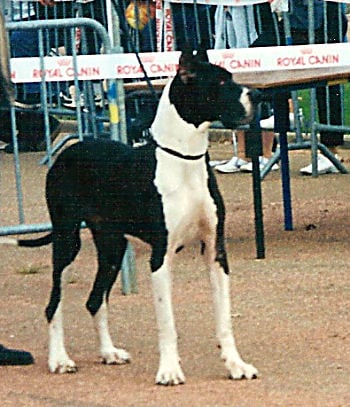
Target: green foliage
31,269
304,97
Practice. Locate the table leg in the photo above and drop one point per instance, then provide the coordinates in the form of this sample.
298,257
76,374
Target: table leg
258,212
281,112
287,200
253,146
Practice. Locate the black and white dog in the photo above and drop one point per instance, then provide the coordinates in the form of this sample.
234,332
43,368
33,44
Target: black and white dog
163,193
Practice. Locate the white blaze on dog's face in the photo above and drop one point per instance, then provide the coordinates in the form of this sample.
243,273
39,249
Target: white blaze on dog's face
247,103
236,104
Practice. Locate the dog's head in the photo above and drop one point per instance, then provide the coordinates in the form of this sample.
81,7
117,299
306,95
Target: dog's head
203,92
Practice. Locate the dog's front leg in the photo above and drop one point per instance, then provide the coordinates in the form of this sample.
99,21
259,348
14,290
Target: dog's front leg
237,368
169,372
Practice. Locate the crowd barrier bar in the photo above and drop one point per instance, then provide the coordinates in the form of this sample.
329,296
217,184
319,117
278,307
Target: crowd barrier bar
128,267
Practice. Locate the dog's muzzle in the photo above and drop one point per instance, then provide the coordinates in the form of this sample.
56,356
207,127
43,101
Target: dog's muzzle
250,99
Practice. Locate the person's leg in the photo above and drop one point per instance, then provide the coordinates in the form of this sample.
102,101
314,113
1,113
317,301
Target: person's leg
220,28
240,140
281,122
96,11
186,27
268,138
30,123
25,44
241,27
330,113
329,99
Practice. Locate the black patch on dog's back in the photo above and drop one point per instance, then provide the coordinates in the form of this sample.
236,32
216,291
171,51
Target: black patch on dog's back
107,183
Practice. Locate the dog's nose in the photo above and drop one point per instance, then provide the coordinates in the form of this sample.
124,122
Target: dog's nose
255,96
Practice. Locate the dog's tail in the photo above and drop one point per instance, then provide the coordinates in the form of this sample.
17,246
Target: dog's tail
40,241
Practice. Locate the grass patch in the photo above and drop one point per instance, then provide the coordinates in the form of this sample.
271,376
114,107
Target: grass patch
305,103
33,269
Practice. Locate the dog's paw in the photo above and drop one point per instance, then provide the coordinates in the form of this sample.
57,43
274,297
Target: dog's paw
65,365
115,356
170,375
241,370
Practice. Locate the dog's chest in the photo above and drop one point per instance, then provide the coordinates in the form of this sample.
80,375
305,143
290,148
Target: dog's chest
188,207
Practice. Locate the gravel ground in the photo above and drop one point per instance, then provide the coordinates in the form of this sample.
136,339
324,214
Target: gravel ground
290,310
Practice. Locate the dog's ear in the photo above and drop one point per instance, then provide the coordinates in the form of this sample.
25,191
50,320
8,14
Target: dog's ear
187,66
189,60
202,55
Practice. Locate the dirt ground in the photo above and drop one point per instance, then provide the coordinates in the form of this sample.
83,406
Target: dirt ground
291,311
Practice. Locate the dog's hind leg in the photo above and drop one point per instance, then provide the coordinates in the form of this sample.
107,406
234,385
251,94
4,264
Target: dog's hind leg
169,372
66,245
111,247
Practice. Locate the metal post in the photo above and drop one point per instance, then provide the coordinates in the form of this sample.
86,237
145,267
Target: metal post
253,147
117,115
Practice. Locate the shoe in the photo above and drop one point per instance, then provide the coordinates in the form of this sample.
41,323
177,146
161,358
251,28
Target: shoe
215,163
12,357
262,163
70,101
3,145
28,101
324,166
269,123
231,166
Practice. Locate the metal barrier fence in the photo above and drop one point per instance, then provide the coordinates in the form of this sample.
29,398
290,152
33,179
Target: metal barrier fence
95,108
89,109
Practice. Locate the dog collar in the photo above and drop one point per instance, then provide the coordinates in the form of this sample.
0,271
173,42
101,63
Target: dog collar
177,154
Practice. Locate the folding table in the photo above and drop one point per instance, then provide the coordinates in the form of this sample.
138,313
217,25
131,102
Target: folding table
288,80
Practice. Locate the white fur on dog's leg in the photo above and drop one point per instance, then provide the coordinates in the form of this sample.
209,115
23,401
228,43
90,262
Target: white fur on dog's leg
169,372
109,354
8,241
59,361
237,368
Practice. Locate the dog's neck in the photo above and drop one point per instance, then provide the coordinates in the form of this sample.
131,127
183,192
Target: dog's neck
170,131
